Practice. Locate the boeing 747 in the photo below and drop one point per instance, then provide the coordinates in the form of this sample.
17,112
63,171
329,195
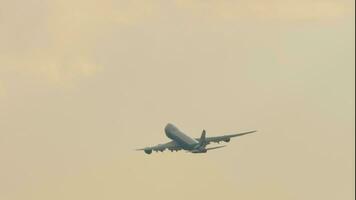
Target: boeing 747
181,141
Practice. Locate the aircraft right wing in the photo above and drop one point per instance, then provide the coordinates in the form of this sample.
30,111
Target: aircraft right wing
225,138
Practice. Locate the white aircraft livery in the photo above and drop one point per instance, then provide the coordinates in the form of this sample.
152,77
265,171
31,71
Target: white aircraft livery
182,141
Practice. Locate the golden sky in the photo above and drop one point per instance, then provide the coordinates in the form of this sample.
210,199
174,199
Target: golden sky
83,83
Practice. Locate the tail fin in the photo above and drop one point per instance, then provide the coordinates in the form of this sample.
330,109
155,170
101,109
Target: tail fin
202,140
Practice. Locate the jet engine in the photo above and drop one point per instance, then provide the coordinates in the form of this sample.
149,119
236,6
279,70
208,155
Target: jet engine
227,140
148,151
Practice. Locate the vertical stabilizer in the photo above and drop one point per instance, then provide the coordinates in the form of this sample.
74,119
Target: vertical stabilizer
202,141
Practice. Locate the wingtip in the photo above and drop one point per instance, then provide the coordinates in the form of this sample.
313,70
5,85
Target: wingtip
254,131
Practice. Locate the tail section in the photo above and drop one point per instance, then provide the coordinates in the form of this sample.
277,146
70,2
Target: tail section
202,141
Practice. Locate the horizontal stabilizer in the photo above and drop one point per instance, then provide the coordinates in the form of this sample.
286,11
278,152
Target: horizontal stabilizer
218,147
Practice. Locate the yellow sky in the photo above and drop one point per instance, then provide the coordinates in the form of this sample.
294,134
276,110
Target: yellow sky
83,83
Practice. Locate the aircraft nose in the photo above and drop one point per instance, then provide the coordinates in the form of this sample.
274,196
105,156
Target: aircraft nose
168,126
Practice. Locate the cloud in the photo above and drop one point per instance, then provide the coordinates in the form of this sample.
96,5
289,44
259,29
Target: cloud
63,73
53,69
56,40
268,10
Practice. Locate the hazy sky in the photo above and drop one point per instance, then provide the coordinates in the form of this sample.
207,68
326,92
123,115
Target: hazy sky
83,83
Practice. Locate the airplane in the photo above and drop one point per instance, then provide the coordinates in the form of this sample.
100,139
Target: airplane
181,141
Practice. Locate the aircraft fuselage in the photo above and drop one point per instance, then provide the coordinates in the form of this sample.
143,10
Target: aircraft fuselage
182,139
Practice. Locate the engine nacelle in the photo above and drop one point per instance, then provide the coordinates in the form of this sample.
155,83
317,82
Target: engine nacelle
148,151
227,140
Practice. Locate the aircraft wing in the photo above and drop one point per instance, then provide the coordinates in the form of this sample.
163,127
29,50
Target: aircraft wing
173,146
225,138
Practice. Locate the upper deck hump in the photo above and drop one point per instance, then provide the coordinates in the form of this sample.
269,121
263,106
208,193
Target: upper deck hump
174,133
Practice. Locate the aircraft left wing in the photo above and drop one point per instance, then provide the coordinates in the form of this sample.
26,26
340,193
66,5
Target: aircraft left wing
173,146
225,138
